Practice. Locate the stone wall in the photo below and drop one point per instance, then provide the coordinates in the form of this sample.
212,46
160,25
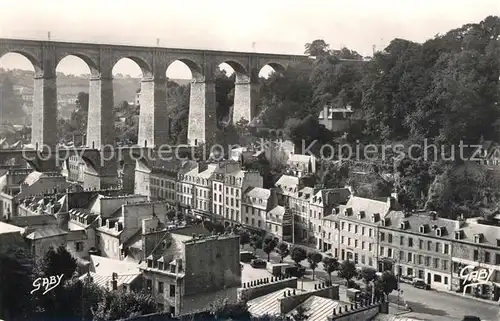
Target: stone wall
257,288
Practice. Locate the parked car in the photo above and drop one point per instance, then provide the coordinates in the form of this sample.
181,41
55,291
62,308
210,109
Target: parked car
246,256
420,284
471,318
293,271
258,264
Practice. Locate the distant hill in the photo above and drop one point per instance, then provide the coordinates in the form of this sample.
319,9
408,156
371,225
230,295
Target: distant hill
124,87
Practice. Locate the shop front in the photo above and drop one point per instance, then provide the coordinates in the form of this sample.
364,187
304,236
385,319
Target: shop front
476,279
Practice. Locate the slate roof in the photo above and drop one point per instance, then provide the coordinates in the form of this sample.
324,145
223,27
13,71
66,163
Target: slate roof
318,308
471,227
299,158
305,194
45,232
105,281
258,192
268,304
423,218
278,210
34,220
9,228
32,178
366,205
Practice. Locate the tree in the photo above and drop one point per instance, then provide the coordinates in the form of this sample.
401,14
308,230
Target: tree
256,242
171,214
10,102
347,270
56,262
386,284
330,265
122,305
16,265
82,101
180,216
269,245
283,250
368,274
298,254
314,258
244,237
316,48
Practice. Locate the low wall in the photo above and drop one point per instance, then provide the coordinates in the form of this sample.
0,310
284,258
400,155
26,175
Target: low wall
360,311
257,288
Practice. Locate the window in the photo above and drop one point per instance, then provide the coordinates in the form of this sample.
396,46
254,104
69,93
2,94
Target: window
370,232
369,247
401,255
445,265
420,244
349,228
427,261
445,280
410,242
382,250
342,239
342,226
435,263
362,230
409,259
446,248
172,290
420,259
79,246
401,240
487,257
389,252
356,229
149,284
160,287
438,246
497,259
437,278
382,237
389,238
355,243
429,245
362,245
476,255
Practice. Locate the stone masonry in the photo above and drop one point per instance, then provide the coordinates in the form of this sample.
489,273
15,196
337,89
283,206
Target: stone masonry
153,61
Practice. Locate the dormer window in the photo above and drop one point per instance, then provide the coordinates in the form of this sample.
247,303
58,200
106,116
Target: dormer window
458,235
172,268
404,225
423,228
150,263
478,238
386,222
361,214
375,218
438,231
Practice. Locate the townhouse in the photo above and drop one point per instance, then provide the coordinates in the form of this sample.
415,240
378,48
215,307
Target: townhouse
185,184
418,245
203,191
185,272
229,184
476,247
256,203
354,227
322,204
279,223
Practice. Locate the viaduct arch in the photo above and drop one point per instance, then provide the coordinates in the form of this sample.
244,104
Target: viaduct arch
153,61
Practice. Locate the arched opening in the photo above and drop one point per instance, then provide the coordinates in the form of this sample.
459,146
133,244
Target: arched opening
72,82
270,82
179,75
127,75
226,74
16,99
271,69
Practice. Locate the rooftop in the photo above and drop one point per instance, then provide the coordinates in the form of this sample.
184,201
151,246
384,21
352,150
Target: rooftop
269,304
317,308
9,228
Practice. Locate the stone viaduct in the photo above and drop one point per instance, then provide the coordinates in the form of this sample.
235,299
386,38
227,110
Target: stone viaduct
153,61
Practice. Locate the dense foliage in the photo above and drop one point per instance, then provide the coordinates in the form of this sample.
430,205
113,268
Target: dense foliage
441,92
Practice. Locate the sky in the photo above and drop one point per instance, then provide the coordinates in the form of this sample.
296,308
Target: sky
275,26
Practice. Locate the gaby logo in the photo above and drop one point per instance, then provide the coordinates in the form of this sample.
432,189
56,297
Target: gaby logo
479,276
47,283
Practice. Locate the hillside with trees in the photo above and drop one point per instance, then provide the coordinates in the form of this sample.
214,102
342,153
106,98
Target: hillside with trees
441,92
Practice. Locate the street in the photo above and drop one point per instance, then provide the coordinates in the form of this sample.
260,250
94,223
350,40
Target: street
421,301
445,304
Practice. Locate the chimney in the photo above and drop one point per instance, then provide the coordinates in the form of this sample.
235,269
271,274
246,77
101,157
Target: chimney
433,215
391,202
